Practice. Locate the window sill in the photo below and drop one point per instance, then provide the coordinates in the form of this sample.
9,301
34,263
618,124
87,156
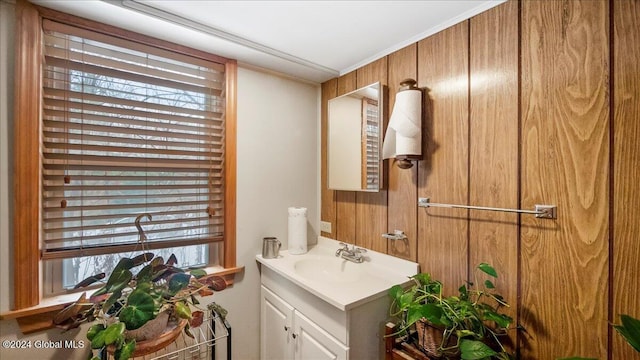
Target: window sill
40,317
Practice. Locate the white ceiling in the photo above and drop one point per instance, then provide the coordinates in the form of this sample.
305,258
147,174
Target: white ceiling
310,40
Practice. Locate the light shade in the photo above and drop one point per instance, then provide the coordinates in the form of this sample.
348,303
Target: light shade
403,138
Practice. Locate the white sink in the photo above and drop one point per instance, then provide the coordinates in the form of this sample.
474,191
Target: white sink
340,282
335,270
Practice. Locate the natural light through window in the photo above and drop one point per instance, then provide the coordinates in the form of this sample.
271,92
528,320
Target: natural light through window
128,130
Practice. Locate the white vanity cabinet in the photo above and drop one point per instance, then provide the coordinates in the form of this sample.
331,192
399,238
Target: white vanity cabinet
318,305
288,334
295,324
276,323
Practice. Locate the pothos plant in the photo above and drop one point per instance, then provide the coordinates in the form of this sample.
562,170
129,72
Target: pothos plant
140,297
629,328
471,322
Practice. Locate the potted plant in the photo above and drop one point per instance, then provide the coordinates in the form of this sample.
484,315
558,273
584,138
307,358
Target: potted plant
467,326
143,306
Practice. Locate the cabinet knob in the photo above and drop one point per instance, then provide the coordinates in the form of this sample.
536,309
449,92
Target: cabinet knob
294,335
286,328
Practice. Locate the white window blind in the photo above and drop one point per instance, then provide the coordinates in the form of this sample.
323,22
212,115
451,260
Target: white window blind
128,129
370,150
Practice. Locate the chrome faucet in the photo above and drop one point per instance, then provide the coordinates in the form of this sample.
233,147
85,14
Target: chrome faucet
344,248
354,254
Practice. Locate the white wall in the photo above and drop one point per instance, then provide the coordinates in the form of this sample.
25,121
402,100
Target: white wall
278,167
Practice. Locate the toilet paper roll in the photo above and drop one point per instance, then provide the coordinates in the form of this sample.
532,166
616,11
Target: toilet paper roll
297,230
404,133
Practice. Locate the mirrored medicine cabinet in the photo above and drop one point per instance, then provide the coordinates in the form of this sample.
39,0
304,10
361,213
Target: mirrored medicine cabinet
354,139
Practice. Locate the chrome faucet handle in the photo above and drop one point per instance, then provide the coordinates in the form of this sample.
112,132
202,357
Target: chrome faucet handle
360,250
345,247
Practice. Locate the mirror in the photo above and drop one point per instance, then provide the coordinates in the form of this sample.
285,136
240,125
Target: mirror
354,139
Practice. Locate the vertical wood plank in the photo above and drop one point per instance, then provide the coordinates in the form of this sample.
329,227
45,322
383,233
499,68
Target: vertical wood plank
626,170
327,196
443,65
371,207
230,165
565,161
493,146
26,246
346,200
402,183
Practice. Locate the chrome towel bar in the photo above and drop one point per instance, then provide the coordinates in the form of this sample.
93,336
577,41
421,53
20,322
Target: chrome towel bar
540,211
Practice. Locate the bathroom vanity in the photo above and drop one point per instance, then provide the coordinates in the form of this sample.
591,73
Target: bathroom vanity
321,306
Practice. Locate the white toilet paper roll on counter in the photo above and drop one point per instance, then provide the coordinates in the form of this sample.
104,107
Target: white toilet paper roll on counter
297,230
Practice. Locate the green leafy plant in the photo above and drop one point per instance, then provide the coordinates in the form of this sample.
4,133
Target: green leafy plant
630,330
141,296
471,322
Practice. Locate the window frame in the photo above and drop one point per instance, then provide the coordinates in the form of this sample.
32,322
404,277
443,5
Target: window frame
27,129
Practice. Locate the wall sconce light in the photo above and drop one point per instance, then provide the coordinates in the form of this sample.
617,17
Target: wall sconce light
403,139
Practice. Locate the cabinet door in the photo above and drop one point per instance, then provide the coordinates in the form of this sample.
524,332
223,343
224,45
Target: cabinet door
313,343
276,325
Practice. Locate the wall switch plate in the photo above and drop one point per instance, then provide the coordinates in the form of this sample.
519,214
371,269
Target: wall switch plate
325,226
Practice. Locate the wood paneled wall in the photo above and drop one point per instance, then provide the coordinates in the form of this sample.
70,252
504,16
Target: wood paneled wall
402,190
493,145
443,176
625,212
531,102
565,161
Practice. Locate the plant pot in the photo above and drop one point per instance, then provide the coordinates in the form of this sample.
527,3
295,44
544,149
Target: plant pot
147,347
151,330
149,339
430,339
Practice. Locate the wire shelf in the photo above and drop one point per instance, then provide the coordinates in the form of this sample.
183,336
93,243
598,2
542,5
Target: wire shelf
200,347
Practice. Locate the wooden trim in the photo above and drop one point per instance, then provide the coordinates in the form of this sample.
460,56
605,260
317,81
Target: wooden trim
39,317
230,167
398,348
229,274
37,322
26,159
34,310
